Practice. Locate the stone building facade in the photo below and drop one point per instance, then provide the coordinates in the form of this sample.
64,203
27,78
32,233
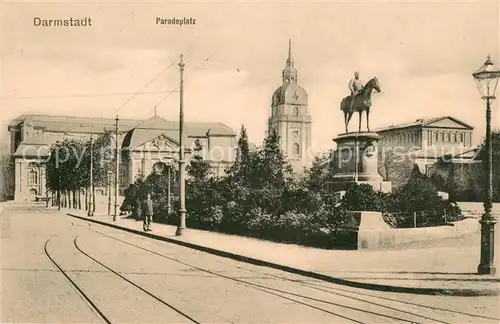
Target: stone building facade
291,119
427,140
143,144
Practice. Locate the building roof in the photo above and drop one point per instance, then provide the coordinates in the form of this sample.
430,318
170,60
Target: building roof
99,125
150,129
422,122
289,94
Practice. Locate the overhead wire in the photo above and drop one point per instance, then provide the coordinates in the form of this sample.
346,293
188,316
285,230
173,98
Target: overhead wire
194,71
85,95
144,87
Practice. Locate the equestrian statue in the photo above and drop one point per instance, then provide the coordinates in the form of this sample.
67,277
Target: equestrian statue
360,100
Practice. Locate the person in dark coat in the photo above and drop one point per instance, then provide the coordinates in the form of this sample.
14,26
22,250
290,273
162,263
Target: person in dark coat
148,217
138,209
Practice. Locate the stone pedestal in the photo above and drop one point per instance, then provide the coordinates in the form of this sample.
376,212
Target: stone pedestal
358,151
366,230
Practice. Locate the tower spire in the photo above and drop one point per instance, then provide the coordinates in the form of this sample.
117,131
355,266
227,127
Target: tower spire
289,74
289,60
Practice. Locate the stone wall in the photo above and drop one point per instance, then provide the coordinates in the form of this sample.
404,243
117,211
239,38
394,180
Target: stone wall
374,233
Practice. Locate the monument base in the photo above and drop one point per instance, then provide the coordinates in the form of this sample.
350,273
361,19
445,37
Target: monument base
341,185
357,161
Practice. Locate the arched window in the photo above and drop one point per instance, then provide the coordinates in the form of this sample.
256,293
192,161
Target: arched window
296,149
32,173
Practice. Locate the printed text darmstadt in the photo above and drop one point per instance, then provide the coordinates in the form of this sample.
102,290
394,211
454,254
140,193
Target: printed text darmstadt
70,22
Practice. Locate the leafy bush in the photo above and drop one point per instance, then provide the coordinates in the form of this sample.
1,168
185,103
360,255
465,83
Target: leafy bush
363,197
258,197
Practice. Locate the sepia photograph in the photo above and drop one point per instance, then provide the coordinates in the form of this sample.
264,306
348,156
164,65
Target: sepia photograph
249,161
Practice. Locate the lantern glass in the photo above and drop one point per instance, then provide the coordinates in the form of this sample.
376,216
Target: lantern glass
487,79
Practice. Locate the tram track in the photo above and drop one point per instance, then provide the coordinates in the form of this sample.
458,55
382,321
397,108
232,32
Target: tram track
345,292
90,302
285,294
82,294
311,302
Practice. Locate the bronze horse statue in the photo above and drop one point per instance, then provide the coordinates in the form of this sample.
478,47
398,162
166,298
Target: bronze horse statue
360,102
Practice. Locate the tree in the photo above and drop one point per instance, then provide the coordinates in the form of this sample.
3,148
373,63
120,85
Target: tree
394,167
495,139
274,170
242,169
198,169
6,173
68,167
321,173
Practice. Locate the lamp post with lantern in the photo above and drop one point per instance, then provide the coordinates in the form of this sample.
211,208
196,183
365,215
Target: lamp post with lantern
487,80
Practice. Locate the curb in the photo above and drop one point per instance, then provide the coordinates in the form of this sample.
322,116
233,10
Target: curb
306,273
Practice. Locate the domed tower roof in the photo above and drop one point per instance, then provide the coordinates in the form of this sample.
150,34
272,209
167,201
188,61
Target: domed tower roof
290,93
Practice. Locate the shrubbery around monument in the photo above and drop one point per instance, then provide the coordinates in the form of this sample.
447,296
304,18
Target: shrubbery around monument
261,197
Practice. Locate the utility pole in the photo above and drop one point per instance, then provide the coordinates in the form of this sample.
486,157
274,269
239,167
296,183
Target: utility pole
110,173
182,192
91,207
169,194
117,167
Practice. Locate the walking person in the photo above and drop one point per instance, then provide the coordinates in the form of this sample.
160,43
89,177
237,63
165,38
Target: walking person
148,217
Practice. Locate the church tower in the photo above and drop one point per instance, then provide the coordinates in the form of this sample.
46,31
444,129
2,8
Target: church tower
290,117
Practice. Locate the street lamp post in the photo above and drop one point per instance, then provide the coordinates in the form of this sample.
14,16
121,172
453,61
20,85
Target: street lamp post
110,173
91,207
487,80
182,209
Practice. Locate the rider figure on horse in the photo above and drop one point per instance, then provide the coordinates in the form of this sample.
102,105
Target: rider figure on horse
355,85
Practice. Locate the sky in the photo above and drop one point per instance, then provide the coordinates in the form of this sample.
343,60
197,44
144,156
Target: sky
423,54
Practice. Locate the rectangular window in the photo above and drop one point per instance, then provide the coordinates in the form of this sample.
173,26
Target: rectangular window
447,137
454,138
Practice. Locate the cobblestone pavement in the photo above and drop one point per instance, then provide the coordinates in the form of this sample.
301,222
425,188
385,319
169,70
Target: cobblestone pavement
57,268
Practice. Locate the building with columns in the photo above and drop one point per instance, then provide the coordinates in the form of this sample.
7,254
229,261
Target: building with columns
144,145
427,140
290,117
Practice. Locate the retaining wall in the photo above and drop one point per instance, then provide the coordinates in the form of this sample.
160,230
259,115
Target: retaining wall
374,233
